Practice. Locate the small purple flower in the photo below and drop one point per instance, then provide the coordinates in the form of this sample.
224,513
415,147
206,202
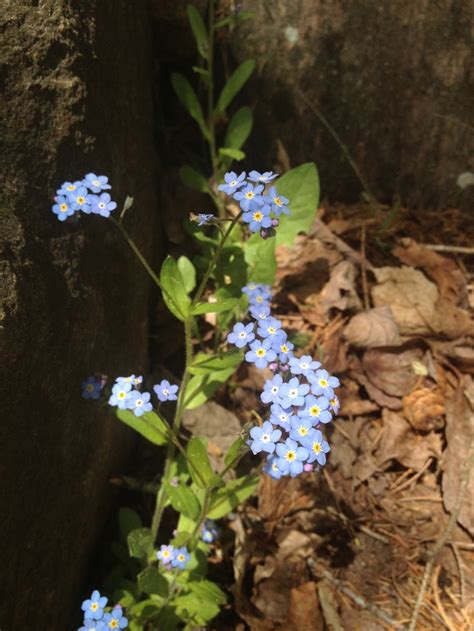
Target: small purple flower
232,182
165,391
323,383
181,558
249,197
317,447
303,365
263,178
115,619
166,554
267,233
120,394
78,200
68,188
291,457
96,183
241,334
260,312
281,416
260,353
264,438
258,217
300,427
93,607
316,409
271,390
293,393
91,388
278,202
101,204
139,402
271,467
209,531
270,328
204,220
62,208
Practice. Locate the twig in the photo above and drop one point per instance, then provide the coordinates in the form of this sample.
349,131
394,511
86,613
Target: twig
466,471
458,249
363,269
462,578
439,604
417,475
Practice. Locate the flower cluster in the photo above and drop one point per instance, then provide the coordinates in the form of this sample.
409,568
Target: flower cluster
300,396
85,196
96,618
209,531
261,208
126,394
92,387
171,557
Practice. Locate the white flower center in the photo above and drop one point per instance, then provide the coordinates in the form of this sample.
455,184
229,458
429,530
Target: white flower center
265,438
166,392
242,335
139,403
293,393
96,182
101,205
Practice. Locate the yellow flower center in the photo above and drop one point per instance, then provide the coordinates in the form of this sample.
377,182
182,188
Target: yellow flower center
122,395
259,299
333,403
317,448
81,200
250,195
257,216
323,383
94,606
315,410
277,201
272,330
260,352
113,624
90,387
290,456
63,208
165,554
284,348
303,431
71,187
181,557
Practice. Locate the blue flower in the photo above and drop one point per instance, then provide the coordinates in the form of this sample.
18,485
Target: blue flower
278,202
93,607
62,208
241,334
300,427
139,402
283,347
257,289
249,197
258,217
181,558
263,178
166,554
115,619
260,353
96,183
78,199
291,457
165,391
323,383
209,531
91,388
316,409
271,467
101,204
260,312
303,365
93,625
293,393
281,416
137,381
317,446
271,390
271,328
204,220
334,405
264,438
232,182
129,380
120,394
68,188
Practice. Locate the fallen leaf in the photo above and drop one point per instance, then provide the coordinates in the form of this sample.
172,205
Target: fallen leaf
375,327
304,612
377,395
399,442
424,409
459,433
392,371
339,292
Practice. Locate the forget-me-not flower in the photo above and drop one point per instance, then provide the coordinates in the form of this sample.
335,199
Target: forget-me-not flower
277,202
241,334
260,312
271,467
249,197
166,554
181,558
260,353
68,188
165,391
291,457
323,383
115,619
204,219
281,416
264,438
263,178
293,393
316,409
303,365
271,389
91,388
93,607
271,328
232,182
93,625
120,394
139,402
300,427
258,217
78,199
63,207
96,183
317,446
101,204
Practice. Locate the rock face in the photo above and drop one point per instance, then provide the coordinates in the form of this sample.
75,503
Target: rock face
391,78
77,98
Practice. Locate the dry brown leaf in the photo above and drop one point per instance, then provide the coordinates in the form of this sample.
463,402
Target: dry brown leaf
339,292
392,371
377,395
399,442
411,296
459,432
375,327
304,612
424,409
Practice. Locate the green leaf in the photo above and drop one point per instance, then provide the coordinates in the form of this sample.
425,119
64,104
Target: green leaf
199,461
146,609
207,590
204,364
200,388
128,520
199,30
151,581
301,187
235,450
260,256
231,271
194,609
235,83
149,425
239,128
235,154
215,307
140,543
188,272
183,500
227,498
174,294
235,18
188,98
181,539
193,179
